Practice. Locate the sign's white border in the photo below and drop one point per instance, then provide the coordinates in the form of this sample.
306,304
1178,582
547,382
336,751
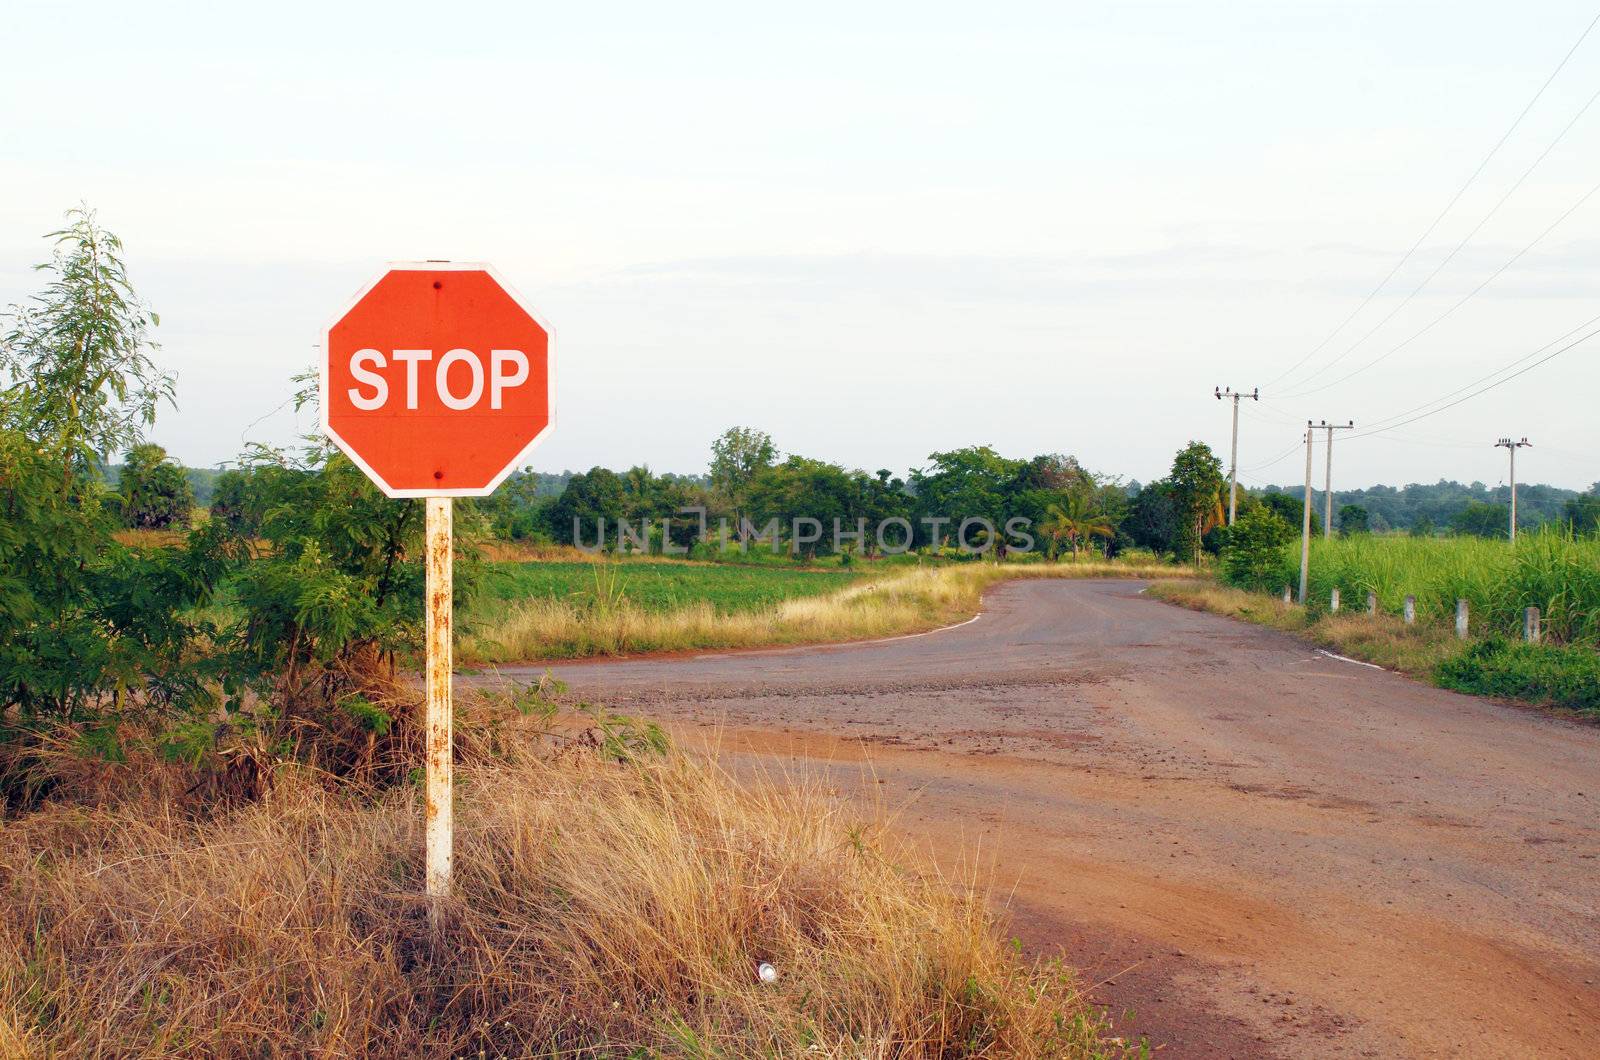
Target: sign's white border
550,375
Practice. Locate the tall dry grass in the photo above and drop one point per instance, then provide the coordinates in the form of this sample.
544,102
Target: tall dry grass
601,909
904,602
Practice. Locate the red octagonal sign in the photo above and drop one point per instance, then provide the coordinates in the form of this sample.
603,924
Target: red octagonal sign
437,380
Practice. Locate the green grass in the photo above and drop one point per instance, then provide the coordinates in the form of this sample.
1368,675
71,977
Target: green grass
1548,569
653,586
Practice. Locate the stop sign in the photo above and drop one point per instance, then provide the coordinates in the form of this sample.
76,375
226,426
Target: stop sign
436,380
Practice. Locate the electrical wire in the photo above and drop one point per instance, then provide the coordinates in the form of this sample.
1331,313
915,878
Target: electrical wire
1448,258
1499,382
1447,207
1381,421
1585,197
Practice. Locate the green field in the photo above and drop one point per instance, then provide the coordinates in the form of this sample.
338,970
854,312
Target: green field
653,586
1553,570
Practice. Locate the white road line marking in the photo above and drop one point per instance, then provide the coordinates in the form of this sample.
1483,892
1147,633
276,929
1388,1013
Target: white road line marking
1345,658
841,644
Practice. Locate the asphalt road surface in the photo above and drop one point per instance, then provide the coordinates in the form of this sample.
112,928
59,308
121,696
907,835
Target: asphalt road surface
1258,849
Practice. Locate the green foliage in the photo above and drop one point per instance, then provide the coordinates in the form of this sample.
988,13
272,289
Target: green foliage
1076,520
1291,510
1353,519
1581,513
1549,568
1252,557
1198,495
1435,503
81,381
155,492
1482,520
590,497
91,632
652,586
1563,675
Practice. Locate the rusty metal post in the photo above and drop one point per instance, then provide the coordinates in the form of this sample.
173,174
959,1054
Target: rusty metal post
438,736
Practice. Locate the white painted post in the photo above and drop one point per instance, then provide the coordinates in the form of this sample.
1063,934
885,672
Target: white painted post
1411,610
1461,619
1333,602
1286,595
438,816
1372,603
1530,625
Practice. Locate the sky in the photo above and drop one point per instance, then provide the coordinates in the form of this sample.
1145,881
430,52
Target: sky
874,231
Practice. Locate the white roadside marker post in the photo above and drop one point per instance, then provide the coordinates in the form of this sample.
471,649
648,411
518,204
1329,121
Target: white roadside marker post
1461,619
439,816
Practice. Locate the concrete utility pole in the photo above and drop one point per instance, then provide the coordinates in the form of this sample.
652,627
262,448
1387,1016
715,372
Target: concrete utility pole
1327,483
1305,522
1511,449
1233,467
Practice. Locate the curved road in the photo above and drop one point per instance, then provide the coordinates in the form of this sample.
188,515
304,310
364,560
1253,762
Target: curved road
1258,849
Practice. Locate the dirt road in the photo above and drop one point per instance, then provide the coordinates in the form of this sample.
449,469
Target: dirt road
1261,850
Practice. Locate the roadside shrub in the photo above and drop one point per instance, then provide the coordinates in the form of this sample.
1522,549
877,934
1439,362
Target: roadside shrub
155,493
1564,675
1251,558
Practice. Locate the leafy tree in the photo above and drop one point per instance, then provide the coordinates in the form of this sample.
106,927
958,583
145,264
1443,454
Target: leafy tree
800,488
155,492
1482,520
77,357
589,497
1422,527
1353,519
1197,486
1291,510
1076,520
1582,513
91,632
971,483
1254,553
1152,520
737,455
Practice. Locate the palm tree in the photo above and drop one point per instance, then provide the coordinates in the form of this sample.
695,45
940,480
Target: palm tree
1075,521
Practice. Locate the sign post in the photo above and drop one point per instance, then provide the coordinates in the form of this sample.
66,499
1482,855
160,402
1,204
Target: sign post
438,381
440,811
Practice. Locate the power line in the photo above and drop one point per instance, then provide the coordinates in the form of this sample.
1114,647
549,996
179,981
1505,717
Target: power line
1448,258
1386,420
1447,207
1548,357
1461,302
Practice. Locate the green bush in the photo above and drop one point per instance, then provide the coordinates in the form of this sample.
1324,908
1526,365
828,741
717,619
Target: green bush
1564,675
1254,544
155,493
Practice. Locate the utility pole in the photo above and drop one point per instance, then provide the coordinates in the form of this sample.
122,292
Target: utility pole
1233,467
1305,522
1327,483
1511,450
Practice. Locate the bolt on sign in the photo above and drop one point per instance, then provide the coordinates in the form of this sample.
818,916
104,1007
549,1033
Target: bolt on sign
438,380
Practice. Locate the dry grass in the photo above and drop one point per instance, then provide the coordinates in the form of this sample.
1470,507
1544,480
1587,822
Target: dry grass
1383,639
904,602
601,909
